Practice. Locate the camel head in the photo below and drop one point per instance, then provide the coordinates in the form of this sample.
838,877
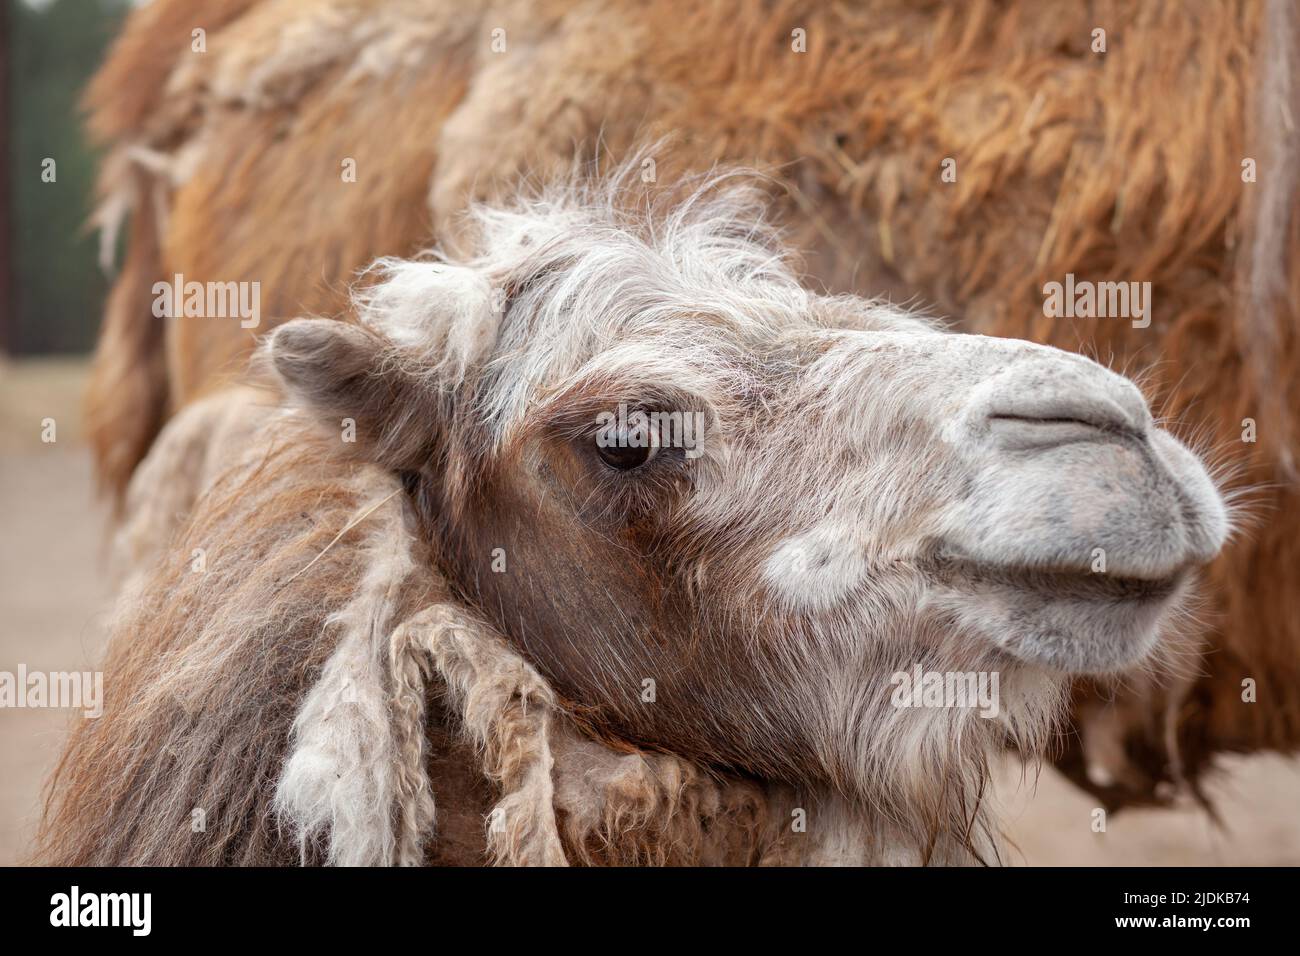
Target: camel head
721,513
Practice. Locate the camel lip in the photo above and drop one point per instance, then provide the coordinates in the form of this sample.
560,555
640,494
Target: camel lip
1067,620
1059,581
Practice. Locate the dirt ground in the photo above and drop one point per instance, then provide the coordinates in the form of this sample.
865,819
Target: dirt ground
54,603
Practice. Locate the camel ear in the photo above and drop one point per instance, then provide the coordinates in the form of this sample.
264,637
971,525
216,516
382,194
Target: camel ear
422,326
360,386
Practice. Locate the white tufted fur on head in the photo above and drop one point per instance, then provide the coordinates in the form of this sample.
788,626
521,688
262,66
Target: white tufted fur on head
445,313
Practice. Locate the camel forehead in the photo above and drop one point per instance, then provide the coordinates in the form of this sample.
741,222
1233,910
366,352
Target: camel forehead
683,357
753,387
701,298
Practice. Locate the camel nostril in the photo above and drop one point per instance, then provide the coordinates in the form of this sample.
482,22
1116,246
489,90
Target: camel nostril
1048,429
1046,420
1049,399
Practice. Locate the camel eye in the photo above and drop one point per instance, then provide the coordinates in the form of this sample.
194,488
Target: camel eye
624,459
626,449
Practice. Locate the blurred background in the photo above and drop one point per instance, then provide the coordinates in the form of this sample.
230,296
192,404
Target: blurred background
52,287
54,592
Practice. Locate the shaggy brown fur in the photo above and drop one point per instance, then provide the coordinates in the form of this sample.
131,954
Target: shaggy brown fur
214,699
1124,165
